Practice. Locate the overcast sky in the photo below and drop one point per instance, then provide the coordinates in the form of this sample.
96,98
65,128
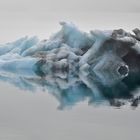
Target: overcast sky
69,5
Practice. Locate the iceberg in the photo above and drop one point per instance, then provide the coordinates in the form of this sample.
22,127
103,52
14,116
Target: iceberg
73,65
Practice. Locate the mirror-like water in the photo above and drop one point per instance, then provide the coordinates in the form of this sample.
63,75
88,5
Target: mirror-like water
33,116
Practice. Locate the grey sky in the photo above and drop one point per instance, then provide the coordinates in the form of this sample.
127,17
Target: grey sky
69,6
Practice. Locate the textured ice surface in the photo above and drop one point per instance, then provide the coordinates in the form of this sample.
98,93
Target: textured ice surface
72,65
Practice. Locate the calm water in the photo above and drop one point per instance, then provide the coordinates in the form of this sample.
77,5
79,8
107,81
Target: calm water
33,116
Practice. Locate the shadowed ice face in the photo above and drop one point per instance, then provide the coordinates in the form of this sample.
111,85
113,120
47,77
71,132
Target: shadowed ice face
115,61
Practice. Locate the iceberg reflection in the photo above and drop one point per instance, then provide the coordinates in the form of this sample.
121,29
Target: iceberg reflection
101,66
